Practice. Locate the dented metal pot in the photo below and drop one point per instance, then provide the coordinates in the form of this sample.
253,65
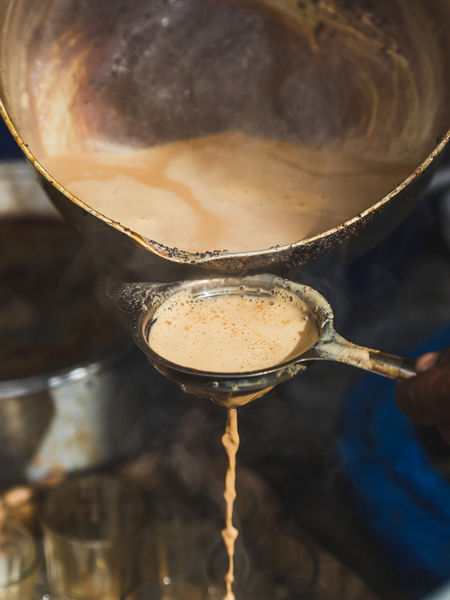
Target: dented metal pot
80,76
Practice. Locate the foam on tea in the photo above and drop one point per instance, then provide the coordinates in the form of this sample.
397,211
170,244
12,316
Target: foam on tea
230,332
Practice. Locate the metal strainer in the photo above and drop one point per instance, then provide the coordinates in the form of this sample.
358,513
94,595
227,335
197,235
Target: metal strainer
320,341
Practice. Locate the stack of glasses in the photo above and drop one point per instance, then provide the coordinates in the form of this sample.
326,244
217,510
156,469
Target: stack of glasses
94,533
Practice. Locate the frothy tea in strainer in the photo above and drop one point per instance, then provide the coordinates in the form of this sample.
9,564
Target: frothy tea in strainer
233,339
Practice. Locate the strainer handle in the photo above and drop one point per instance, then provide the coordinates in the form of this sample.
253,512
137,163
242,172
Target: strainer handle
388,365
392,366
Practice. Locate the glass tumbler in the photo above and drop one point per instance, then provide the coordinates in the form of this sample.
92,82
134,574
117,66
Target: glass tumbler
93,529
18,562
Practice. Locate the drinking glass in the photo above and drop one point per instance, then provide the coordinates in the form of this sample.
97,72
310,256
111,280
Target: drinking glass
18,562
180,548
93,528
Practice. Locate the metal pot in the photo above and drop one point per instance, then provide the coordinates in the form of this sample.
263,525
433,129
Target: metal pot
81,417
73,408
373,80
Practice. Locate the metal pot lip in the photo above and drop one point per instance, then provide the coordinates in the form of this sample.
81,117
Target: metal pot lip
212,258
11,388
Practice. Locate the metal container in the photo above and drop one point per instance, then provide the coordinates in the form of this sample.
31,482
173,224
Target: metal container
66,415
79,418
372,81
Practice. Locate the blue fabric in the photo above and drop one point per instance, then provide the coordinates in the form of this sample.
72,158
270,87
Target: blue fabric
403,501
8,146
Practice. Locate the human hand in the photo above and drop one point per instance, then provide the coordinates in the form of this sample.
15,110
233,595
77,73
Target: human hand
425,398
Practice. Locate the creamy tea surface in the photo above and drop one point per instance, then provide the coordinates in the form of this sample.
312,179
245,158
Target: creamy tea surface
230,191
230,333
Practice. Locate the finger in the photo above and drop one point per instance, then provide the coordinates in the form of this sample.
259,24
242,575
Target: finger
426,361
431,359
426,397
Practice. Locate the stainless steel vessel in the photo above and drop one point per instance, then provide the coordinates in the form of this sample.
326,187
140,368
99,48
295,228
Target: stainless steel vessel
365,78
82,417
64,406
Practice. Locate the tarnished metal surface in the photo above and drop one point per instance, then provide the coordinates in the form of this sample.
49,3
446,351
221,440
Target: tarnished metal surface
78,73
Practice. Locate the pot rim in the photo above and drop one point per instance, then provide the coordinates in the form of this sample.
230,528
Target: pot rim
51,379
